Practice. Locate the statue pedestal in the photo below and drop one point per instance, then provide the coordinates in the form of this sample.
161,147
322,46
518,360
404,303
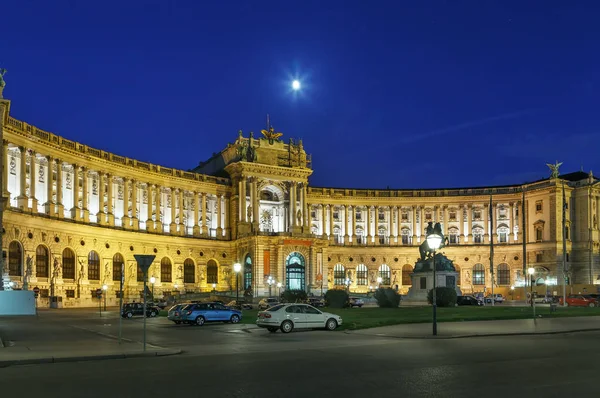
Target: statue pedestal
422,277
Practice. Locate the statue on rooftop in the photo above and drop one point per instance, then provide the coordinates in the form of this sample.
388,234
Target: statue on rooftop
271,135
2,82
554,173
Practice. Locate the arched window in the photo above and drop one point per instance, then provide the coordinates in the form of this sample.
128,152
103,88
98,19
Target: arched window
503,275
247,272
407,269
361,275
314,230
166,270
189,271
68,263
93,266
385,274
117,267
15,259
339,274
478,274
295,272
457,268
212,272
41,262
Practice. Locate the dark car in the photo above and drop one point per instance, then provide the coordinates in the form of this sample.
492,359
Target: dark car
467,300
316,301
240,305
137,309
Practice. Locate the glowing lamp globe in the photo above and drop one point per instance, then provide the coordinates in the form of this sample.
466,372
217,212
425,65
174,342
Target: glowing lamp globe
152,280
237,267
296,85
434,241
531,271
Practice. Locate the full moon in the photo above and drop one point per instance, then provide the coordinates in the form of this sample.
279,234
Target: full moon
296,85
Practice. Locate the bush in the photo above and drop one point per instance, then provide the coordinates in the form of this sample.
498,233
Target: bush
337,298
387,297
445,296
293,296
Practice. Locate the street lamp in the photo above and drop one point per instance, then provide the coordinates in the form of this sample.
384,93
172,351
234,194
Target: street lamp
152,282
434,241
237,267
348,284
270,282
512,291
105,288
214,286
278,288
379,280
176,286
531,272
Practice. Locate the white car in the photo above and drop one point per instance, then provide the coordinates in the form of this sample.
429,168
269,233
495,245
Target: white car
288,317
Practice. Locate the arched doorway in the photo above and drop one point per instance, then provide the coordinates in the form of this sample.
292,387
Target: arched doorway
295,271
247,272
407,269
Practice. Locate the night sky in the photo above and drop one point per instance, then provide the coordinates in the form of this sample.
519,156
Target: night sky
405,94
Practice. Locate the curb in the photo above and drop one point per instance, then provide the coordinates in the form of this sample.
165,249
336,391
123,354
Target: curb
467,336
101,357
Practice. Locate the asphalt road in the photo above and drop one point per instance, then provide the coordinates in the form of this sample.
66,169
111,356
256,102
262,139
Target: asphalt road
229,361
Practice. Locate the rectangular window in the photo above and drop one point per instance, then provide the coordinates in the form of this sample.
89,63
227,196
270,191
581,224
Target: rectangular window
567,233
538,234
336,215
452,238
44,293
189,275
140,274
477,238
313,214
381,216
568,257
361,278
477,214
405,240
452,215
539,257
538,206
404,216
358,216
70,293
428,216
502,238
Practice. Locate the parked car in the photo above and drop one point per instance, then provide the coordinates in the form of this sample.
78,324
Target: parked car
356,302
287,317
579,300
240,305
130,310
199,314
498,298
468,300
267,303
175,313
316,301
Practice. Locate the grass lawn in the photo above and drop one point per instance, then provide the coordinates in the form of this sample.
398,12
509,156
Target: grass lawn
364,318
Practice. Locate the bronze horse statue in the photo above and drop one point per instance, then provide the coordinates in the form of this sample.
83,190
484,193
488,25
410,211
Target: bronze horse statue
424,249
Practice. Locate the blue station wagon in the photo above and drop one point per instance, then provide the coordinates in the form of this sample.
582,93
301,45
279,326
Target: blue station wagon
198,314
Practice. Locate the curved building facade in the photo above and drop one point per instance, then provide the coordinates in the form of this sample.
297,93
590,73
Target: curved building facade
74,216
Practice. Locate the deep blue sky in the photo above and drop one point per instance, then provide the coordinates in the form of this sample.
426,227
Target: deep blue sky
396,93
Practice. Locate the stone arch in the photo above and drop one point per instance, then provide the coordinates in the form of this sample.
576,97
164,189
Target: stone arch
118,266
69,263
407,270
189,270
15,258
166,269
93,263
295,271
42,261
503,275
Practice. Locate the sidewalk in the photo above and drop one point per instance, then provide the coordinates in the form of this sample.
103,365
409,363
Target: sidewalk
486,328
29,340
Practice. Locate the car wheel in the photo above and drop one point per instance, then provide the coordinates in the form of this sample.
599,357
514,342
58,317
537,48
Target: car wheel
287,326
177,322
129,315
153,314
200,321
234,318
592,305
331,324
272,329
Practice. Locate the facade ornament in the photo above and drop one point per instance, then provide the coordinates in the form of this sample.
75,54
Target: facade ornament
2,82
271,135
554,173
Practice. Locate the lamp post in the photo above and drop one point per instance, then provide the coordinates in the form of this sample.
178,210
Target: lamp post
214,286
270,282
512,291
379,280
237,267
105,288
531,272
434,241
176,286
152,282
278,289
347,283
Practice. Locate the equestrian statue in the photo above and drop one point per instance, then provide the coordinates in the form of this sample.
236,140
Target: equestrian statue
424,249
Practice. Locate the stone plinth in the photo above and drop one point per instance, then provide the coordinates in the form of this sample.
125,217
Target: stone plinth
422,277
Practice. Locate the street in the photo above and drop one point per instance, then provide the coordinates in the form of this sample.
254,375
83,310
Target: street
240,361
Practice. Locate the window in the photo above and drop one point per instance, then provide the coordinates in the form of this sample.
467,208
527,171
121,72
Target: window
539,233
406,236
313,214
15,258
453,235
117,264
503,275
68,263
452,215
538,207
478,274
381,215
477,214
567,233
361,275
295,272
382,237
248,272
310,310
477,235
407,269
140,274
457,268
539,257
358,215
189,271
428,215
339,274
336,215
212,272
93,266
405,216
70,293
567,257
503,235
385,274
360,239
41,262
166,270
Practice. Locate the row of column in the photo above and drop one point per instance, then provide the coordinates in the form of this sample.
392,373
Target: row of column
54,205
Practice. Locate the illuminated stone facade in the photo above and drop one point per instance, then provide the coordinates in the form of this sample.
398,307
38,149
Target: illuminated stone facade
74,216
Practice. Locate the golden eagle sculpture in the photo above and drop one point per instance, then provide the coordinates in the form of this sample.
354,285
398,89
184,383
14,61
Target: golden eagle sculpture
271,135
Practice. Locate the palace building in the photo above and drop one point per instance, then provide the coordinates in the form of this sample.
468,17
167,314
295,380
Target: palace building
73,217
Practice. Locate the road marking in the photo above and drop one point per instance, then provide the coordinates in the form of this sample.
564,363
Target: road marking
110,336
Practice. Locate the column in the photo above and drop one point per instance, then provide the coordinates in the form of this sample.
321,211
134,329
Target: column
243,201
173,226
182,226
196,207
240,201
323,219
494,224
470,223
446,220
110,200
330,222
346,224
226,204
204,228
414,210
149,221
22,199
6,169
126,220
76,210
101,215
158,226
376,232
486,223
84,200
422,224
219,221
49,207
302,221
134,205
461,223
32,182
354,225
305,209
293,197
511,223
520,222
60,208
368,225
255,203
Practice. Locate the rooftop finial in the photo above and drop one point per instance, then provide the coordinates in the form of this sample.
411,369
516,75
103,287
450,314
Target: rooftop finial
268,122
2,82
